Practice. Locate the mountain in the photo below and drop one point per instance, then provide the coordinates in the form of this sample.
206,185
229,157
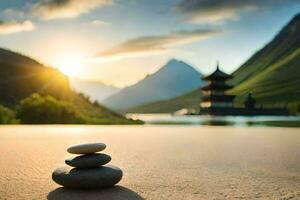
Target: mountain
190,101
8,57
273,73
95,90
173,79
285,43
21,76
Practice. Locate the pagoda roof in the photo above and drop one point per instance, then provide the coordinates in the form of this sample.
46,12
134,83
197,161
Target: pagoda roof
216,86
218,75
218,98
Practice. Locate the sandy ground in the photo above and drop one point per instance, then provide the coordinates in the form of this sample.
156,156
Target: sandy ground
170,162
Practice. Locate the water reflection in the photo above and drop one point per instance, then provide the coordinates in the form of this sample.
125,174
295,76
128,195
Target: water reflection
216,123
281,121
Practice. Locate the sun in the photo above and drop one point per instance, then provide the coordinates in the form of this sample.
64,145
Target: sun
71,64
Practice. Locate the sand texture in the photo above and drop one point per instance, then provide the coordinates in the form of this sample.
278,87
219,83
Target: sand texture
159,162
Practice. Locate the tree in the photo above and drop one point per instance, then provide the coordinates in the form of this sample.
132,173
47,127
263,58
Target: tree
294,108
7,116
37,109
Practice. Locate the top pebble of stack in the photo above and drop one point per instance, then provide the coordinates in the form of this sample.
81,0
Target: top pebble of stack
86,148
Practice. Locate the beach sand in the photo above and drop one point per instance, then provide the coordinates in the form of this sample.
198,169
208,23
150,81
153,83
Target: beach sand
159,162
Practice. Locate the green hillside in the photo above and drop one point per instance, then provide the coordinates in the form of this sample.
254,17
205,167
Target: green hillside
21,76
278,85
273,73
190,100
285,43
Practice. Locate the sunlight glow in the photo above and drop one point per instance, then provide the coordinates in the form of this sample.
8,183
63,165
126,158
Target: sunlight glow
70,63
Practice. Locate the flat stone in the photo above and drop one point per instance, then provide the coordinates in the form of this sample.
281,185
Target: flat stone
86,148
101,177
89,160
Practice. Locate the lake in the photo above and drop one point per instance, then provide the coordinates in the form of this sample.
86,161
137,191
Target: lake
158,161
288,121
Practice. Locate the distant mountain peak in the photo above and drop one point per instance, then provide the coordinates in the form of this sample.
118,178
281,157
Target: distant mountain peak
172,79
96,90
175,62
177,65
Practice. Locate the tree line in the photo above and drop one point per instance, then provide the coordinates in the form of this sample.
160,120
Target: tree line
39,109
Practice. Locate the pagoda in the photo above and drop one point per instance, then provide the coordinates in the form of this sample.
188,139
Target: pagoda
215,101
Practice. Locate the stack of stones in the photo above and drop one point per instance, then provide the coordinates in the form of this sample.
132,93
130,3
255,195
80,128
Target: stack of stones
87,171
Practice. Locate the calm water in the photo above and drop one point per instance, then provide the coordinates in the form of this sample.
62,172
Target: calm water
209,120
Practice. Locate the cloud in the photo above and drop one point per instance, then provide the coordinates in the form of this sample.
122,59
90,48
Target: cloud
151,45
218,11
15,27
59,9
99,23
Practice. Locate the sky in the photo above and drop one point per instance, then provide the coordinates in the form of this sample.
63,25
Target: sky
119,42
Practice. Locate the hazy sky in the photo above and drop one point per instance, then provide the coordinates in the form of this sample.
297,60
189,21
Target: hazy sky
120,41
